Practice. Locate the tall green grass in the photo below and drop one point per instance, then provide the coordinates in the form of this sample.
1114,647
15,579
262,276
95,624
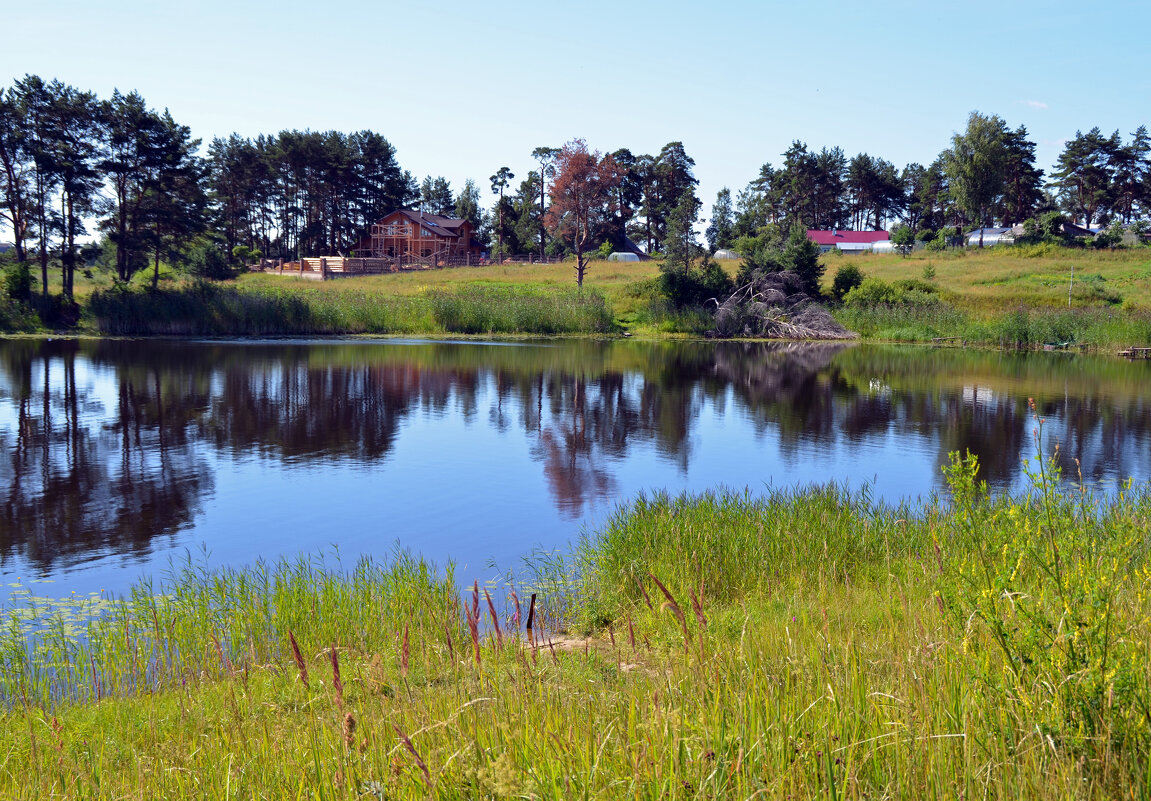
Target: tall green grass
1019,328
205,309
801,644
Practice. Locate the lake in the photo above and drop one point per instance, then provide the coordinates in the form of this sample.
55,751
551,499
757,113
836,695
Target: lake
118,456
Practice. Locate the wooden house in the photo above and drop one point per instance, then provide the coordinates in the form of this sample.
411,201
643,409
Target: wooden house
415,237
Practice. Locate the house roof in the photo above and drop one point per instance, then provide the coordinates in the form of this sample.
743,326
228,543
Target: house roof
834,238
443,226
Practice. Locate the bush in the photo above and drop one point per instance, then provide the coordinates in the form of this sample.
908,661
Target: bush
695,285
847,278
19,282
908,292
207,261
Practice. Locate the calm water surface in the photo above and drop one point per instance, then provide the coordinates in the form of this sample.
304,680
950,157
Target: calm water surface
116,457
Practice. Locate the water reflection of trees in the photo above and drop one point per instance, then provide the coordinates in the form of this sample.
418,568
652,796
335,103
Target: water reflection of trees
111,442
83,479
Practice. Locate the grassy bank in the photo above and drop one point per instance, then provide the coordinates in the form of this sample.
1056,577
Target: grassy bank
1003,297
1015,297
719,646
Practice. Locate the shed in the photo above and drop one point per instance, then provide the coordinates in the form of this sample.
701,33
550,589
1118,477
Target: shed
991,237
849,241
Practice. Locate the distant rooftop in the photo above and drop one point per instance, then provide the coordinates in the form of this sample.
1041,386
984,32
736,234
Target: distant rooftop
834,238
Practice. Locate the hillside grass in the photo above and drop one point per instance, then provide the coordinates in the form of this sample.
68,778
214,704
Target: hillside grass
799,644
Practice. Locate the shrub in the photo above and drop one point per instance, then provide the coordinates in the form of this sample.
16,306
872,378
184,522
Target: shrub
908,292
207,261
847,278
19,281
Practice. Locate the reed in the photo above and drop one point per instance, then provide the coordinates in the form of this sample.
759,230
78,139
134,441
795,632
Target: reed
205,309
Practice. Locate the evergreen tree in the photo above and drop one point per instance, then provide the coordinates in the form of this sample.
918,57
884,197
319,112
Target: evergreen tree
1082,176
720,230
436,196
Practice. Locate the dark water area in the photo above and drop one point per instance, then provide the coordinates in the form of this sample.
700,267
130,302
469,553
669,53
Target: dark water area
118,456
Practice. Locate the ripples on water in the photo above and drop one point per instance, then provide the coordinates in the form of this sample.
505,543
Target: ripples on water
114,456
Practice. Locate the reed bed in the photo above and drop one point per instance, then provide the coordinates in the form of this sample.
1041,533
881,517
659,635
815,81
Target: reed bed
204,309
802,644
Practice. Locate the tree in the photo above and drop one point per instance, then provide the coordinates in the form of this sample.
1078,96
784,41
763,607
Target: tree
15,195
499,183
1131,173
975,167
720,230
468,204
130,160
436,196
801,256
546,156
903,238
1082,175
580,192
69,151
176,203
1022,182
34,103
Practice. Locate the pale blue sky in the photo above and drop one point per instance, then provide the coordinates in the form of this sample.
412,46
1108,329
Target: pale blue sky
462,88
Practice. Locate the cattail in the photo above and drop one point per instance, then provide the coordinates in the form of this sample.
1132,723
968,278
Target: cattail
697,606
643,589
474,628
451,650
531,620
611,634
349,729
416,755
674,607
301,665
630,633
552,648
516,619
339,685
404,653
495,619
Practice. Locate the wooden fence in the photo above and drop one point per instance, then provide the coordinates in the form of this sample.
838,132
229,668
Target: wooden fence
325,267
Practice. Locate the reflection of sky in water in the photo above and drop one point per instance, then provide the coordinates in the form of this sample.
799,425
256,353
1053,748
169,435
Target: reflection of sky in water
469,475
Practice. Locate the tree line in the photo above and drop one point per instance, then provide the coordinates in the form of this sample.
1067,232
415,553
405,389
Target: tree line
70,161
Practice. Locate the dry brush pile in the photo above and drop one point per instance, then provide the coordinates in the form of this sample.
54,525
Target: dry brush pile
774,305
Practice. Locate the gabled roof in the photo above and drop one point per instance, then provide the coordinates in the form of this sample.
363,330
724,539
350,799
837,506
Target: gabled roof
833,238
443,226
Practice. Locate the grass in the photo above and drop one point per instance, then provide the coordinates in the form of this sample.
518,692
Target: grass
798,644
1012,296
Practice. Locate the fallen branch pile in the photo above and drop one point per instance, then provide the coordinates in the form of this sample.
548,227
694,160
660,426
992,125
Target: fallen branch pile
773,305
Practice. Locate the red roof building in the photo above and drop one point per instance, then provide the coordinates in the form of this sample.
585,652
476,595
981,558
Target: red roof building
853,241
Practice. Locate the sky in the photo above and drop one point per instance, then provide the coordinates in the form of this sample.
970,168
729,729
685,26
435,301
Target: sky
464,88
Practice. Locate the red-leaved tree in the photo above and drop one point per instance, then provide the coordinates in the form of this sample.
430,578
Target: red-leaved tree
580,192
